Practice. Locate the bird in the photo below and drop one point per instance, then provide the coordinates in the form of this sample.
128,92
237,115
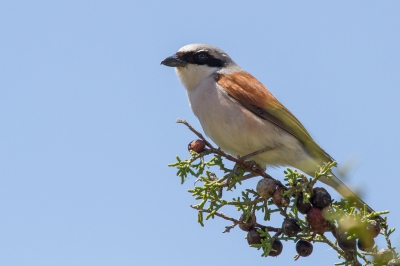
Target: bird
242,116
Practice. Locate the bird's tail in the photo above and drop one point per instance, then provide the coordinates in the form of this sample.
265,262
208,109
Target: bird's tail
346,192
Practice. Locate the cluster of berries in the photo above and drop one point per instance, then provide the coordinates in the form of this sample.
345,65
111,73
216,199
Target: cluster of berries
349,230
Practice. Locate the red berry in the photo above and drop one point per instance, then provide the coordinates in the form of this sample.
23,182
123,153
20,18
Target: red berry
317,221
279,199
373,228
197,145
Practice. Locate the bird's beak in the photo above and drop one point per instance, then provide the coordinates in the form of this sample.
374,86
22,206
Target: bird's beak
173,61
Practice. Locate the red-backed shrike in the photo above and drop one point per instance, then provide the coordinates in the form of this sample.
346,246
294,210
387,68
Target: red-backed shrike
242,116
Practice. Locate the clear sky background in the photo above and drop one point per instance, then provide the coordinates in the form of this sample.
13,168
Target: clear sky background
87,117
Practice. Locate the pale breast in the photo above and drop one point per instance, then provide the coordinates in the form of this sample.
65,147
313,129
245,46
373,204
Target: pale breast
238,131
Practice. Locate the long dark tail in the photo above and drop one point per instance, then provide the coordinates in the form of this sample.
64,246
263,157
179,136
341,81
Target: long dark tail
346,192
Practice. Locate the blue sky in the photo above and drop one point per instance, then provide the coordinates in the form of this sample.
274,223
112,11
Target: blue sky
88,115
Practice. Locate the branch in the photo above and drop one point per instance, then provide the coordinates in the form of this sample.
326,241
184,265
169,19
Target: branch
236,222
317,220
246,165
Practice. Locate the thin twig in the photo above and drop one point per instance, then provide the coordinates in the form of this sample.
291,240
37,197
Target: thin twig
218,151
246,177
332,245
269,228
181,121
199,155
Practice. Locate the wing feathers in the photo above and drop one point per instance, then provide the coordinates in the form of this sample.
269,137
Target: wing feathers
252,94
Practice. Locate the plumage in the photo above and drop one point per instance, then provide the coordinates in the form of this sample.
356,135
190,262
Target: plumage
252,94
242,116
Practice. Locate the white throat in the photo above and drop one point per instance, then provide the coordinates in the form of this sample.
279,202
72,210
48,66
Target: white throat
192,75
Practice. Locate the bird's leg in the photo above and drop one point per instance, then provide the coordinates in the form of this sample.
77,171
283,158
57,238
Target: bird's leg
231,174
248,176
252,165
226,182
249,165
244,158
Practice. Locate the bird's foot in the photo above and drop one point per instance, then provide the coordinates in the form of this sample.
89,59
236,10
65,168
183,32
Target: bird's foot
241,168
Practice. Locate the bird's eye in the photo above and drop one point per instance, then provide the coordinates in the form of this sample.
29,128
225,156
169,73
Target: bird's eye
201,57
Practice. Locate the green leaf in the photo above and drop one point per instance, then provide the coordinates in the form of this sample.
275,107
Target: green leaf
200,218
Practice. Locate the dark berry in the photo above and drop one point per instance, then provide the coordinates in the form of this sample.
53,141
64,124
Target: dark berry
302,207
365,243
279,199
196,145
276,248
317,221
304,248
253,237
266,188
321,198
290,227
343,241
373,228
248,224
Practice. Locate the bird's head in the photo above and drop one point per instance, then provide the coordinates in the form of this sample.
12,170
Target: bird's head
195,62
